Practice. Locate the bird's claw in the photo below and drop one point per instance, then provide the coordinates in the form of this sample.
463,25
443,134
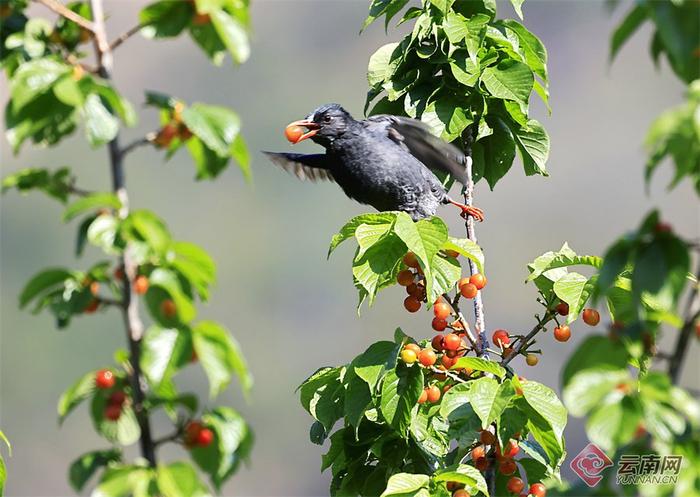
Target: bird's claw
475,212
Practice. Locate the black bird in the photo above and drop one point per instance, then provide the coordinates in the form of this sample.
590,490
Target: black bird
384,161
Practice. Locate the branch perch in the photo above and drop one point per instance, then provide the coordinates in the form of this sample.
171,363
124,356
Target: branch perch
64,11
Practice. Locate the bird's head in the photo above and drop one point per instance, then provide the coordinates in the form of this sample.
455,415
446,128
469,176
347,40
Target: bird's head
323,125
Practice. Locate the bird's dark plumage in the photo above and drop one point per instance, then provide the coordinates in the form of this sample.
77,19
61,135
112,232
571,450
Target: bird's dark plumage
384,161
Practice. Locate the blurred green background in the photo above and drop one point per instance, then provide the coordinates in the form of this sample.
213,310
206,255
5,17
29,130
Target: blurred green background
291,310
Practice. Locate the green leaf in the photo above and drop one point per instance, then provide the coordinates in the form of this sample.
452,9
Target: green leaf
373,362
165,19
44,281
454,398
124,481
162,283
406,484
564,257
164,352
179,479
597,352
100,125
56,184
467,248
574,289
34,78
629,25
587,389
73,396
195,265
463,473
349,229
216,127
544,401
446,272
510,80
232,33
220,356
479,364
518,7
378,266
400,391
613,424
357,399
124,431
91,202
533,144
494,154
379,68
83,468
483,395
239,152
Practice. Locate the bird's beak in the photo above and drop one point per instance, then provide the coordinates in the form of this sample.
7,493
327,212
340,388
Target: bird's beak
311,126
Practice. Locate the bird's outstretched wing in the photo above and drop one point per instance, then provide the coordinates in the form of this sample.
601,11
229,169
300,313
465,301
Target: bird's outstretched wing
435,153
313,167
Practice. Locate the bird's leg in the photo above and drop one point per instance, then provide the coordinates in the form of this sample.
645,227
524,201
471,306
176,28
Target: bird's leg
469,210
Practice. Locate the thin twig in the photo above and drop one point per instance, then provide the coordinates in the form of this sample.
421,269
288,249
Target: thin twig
146,140
126,35
169,438
692,315
130,312
522,343
454,376
64,11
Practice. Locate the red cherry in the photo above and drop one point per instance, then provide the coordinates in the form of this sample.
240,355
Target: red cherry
515,485
507,467
538,490
448,362
168,308
500,338
204,437
411,260
478,452
104,379
439,324
487,438
468,291
562,333
113,412
562,308
591,317
451,342
427,357
117,398
478,280
442,310
436,342
140,284
293,132
423,397
92,306
433,394
511,450
460,493
411,304
405,277
482,464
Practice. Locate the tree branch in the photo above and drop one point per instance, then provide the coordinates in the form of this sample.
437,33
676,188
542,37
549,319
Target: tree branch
64,11
468,193
522,343
130,313
146,140
692,315
126,35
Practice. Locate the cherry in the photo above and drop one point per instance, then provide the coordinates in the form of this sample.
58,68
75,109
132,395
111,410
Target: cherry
168,308
201,19
453,485
436,343
113,412
439,324
591,317
205,437
487,438
446,388
478,280
408,356
531,360
562,333
562,308
507,352
507,467
482,464
192,429
515,485
184,132
460,493
423,397
411,260
662,227
500,338
468,291
538,490
95,288
427,357
511,450
452,253
433,394
117,398
451,342
166,135
92,306
141,284
478,452
412,346
405,277
119,273
104,379
84,36
448,362
411,303
442,310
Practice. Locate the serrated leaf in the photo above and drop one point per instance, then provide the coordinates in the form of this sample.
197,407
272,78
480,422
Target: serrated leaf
478,364
75,394
544,401
400,391
509,80
406,484
83,468
91,202
44,281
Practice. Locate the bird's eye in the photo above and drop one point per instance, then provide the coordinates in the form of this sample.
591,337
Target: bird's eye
327,119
